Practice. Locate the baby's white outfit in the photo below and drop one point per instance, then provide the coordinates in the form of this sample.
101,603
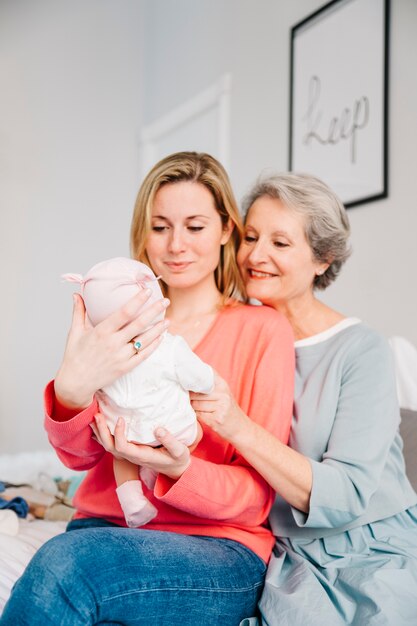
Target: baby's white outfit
156,392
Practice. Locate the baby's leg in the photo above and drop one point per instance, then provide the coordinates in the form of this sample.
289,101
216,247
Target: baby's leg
191,436
124,470
136,507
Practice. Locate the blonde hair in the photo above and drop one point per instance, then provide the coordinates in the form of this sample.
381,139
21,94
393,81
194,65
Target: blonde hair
195,167
326,222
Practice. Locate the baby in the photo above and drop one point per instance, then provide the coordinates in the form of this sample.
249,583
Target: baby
153,394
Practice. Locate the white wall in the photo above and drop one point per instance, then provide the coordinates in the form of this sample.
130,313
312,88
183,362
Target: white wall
77,79
70,116
189,44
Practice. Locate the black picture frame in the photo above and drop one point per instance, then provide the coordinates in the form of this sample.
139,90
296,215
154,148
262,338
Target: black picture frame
339,71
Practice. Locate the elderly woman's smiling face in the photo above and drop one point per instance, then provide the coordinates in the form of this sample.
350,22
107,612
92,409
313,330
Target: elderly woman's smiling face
275,257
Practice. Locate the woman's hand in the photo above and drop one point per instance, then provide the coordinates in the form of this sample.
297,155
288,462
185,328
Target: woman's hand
96,356
220,411
172,459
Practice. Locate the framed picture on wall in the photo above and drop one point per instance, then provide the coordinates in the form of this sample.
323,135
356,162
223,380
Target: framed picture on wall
339,98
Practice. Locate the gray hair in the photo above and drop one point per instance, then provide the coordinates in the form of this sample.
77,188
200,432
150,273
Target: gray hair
327,226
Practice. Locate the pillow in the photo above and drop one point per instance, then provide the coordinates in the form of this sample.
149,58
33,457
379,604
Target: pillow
408,430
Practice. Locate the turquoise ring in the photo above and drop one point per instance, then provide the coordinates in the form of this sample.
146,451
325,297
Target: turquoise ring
137,345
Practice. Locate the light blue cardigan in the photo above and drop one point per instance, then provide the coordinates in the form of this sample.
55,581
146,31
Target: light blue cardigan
346,420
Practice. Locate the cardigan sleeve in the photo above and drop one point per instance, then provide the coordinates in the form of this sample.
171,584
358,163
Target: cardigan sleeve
70,433
367,418
227,493
234,491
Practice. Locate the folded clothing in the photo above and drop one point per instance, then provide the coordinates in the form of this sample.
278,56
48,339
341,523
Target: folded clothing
46,498
16,504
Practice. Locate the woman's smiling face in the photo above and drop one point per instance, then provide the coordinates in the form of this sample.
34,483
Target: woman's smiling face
275,257
186,235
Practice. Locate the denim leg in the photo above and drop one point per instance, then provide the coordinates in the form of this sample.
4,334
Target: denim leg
135,576
89,522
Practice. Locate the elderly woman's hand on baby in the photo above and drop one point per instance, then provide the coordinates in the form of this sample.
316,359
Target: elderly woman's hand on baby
172,459
220,411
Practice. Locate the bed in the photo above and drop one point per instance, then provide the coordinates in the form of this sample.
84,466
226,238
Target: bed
20,540
16,551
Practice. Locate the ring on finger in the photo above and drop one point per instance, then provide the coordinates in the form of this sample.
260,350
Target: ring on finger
136,344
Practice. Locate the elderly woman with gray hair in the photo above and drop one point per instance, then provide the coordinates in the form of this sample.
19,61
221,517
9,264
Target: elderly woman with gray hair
345,515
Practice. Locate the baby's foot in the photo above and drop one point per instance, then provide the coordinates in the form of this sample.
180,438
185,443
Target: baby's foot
137,509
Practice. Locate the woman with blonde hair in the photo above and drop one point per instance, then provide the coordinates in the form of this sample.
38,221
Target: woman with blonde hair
202,559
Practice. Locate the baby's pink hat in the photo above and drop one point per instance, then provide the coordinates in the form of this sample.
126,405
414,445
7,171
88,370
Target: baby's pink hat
110,284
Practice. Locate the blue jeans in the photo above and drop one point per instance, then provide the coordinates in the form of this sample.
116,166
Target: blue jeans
102,574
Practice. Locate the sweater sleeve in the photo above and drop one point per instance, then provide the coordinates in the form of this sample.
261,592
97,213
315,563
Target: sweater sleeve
70,433
233,490
367,417
228,493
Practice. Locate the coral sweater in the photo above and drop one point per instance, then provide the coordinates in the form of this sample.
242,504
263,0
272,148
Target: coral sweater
219,494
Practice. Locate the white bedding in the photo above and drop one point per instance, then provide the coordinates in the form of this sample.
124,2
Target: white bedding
16,551
25,466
